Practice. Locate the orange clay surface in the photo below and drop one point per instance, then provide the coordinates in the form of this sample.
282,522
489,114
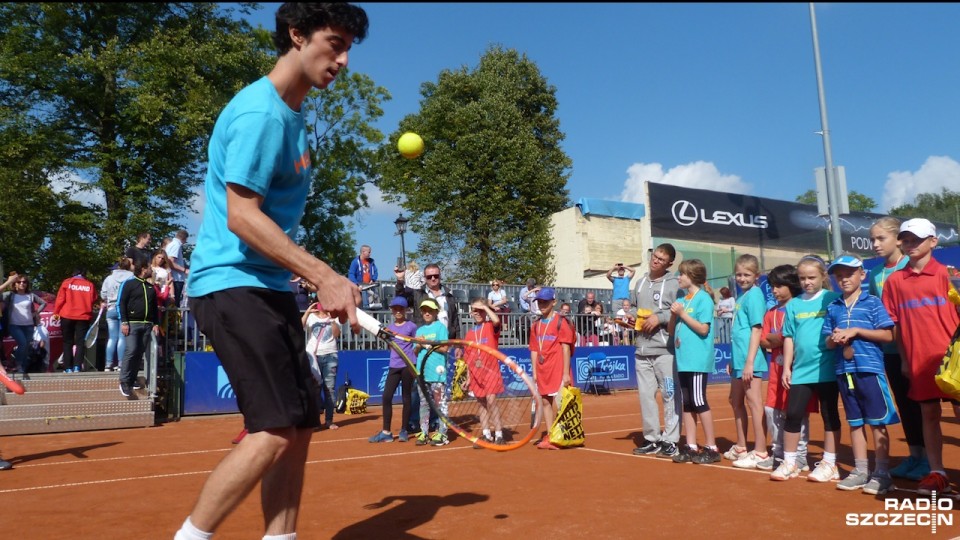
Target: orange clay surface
142,483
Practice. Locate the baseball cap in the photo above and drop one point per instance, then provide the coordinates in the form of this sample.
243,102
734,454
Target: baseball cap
546,293
398,301
428,303
850,261
921,227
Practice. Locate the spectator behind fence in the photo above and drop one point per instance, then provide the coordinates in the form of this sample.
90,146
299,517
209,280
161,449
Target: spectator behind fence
498,300
140,249
363,271
621,281
179,270
725,310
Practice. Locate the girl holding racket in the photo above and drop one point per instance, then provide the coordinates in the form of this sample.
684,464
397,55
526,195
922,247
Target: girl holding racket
483,370
433,369
398,374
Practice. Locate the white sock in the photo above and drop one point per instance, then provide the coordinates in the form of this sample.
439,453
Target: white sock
499,434
790,458
189,532
830,457
288,536
486,433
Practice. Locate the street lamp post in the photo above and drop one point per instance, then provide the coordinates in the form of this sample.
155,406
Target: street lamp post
401,223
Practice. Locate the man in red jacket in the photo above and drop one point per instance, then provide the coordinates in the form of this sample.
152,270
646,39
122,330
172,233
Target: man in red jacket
74,309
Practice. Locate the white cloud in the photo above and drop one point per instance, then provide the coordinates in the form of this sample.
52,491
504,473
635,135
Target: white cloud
938,172
79,189
699,174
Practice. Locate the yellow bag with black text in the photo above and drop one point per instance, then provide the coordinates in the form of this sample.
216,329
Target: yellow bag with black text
458,391
567,428
356,401
948,377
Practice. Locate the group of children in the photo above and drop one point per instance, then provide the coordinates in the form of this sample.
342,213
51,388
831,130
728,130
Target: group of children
825,346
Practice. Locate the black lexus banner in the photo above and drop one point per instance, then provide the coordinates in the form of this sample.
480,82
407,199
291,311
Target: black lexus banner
713,216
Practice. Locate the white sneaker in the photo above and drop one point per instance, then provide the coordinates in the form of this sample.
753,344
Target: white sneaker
824,472
785,472
733,454
750,461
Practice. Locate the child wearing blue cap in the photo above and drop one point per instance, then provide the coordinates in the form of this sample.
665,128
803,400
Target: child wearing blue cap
856,325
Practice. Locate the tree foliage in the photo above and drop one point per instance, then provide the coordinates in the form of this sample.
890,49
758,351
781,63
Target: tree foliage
493,172
858,201
116,100
344,153
943,207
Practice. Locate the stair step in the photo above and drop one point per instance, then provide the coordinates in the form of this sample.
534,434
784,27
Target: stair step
57,382
41,397
79,422
73,409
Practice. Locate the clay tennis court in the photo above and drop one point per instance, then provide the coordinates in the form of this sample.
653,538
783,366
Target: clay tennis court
141,483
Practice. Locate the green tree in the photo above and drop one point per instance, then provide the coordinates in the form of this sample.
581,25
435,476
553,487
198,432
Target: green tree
125,96
344,153
858,201
943,207
493,172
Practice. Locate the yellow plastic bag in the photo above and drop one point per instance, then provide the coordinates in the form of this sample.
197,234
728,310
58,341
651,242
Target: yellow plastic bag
948,378
567,428
356,401
458,392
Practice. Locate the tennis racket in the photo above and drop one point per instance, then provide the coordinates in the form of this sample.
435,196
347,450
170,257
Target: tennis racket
488,390
11,384
91,338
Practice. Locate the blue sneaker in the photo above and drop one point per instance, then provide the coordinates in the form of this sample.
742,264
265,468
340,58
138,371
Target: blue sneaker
381,437
402,436
920,471
906,468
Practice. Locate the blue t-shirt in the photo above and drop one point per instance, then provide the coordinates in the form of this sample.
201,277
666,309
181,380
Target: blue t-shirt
868,313
812,361
751,307
621,287
409,329
259,143
695,352
434,369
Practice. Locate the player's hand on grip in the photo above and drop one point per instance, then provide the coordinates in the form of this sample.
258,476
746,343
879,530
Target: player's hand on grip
338,295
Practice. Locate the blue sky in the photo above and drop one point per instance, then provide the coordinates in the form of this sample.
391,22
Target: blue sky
713,96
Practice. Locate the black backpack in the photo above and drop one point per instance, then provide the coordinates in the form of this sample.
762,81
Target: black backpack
341,404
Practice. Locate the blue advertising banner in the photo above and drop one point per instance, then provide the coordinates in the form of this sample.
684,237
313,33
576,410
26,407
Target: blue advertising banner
207,390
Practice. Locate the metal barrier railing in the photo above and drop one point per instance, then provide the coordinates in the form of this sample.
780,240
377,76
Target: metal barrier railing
180,335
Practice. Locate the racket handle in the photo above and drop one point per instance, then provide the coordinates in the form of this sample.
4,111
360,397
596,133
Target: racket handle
368,322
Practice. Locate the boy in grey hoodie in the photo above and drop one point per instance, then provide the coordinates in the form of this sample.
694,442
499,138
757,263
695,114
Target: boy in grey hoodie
654,361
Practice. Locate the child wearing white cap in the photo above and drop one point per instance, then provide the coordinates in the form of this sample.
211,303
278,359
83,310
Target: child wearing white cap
916,298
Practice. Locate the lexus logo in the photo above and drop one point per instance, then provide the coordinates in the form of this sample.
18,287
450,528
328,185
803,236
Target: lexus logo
684,213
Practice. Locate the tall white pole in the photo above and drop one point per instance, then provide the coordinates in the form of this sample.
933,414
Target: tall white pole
833,192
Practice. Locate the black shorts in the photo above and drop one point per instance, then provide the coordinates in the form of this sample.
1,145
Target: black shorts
693,392
260,342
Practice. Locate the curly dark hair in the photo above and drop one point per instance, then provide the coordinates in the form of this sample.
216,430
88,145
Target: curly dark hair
308,17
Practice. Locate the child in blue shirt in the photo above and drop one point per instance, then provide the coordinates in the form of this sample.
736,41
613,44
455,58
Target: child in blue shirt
692,327
855,326
432,365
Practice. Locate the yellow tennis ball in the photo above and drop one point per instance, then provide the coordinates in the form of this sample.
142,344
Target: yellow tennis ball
410,145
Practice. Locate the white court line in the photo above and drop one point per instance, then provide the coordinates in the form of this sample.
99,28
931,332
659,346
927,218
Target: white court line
314,441
192,473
